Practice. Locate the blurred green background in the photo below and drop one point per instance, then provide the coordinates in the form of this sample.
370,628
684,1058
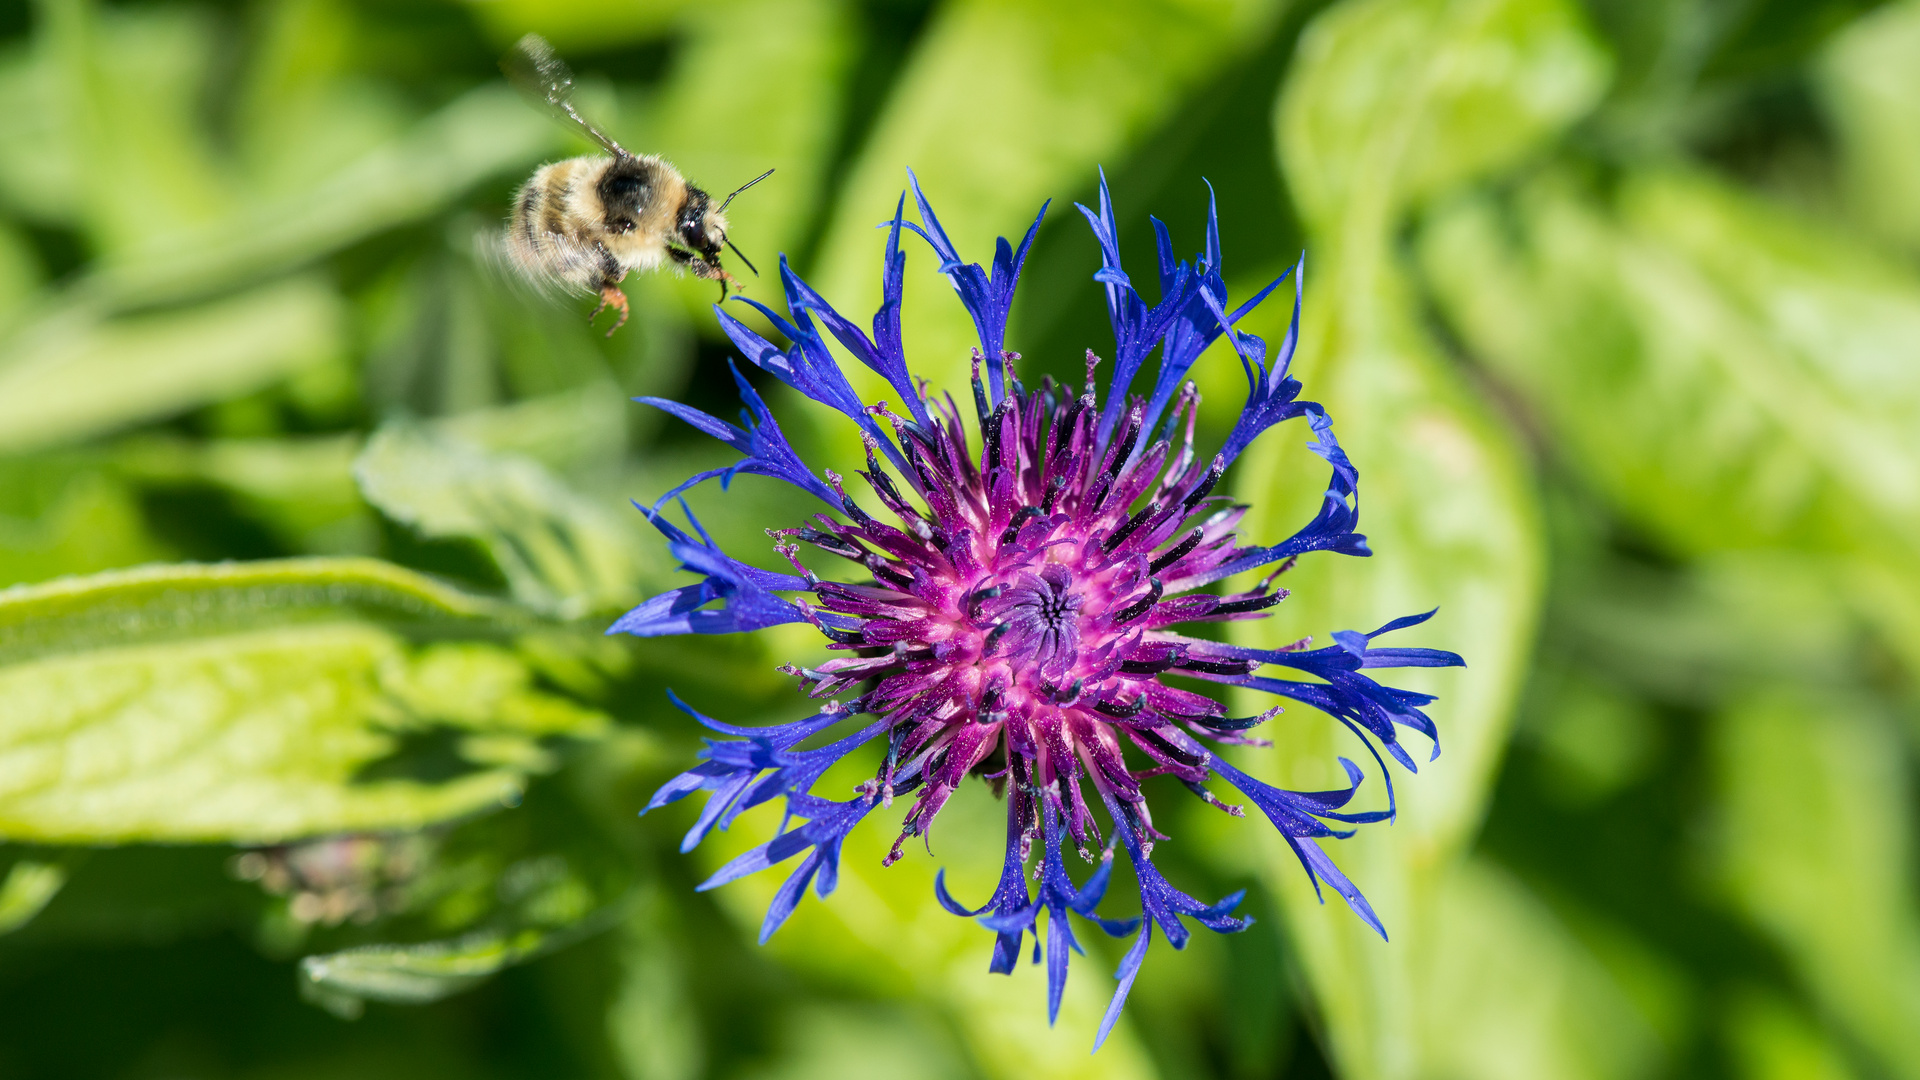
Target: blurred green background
1615,304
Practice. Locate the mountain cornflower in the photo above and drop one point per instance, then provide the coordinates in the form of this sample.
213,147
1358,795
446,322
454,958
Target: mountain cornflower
1018,621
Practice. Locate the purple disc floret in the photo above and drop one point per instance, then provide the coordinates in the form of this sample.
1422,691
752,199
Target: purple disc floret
1022,591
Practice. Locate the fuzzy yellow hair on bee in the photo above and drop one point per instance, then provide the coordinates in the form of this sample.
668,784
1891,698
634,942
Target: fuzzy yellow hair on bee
582,224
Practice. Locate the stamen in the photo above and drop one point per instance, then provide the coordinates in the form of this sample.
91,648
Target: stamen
993,638
1178,551
1139,607
1206,485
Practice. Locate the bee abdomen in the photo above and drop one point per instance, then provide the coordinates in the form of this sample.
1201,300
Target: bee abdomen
544,236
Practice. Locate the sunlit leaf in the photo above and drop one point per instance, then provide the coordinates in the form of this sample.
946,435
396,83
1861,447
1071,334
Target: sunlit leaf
1510,993
558,551
28,886
577,431
1003,107
1728,374
302,111
1388,103
481,134
1495,81
250,702
1772,1040
71,377
1815,849
650,1020
818,1039
1870,78
759,85
125,86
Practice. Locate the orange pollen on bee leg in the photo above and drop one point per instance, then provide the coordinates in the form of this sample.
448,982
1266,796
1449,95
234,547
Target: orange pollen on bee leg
611,296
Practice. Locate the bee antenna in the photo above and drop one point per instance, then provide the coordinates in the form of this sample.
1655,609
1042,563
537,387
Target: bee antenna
743,258
729,199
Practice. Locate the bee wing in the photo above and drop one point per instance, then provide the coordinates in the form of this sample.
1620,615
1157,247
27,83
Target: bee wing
533,66
552,263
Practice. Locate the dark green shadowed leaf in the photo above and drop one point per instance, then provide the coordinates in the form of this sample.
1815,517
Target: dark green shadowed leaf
256,702
556,916
69,515
558,551
301,489
470,901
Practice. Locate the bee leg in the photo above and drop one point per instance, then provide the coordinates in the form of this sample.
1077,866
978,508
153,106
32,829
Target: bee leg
611,296
711,271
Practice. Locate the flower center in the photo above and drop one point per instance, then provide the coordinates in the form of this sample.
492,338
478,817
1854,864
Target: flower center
1041,612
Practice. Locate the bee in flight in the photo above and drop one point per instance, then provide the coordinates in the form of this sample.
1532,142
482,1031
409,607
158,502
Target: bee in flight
583,223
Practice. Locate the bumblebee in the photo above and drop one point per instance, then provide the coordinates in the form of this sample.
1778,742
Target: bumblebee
582,224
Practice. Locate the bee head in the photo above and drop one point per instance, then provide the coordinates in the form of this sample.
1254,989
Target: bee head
702,228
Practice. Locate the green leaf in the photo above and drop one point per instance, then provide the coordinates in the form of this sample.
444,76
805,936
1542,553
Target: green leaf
583,24
304,489
482,134
1814,848
1387,104
128,85
1004,106
69,377
1510,991
254,703
650,1020
758,84
548,906
63,517
559,552
813,1040
571,432
1773,1040
883,934
301,110
416,974
168,603
19,273
1492,82
1727,373
1869,80
301,488
29,886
